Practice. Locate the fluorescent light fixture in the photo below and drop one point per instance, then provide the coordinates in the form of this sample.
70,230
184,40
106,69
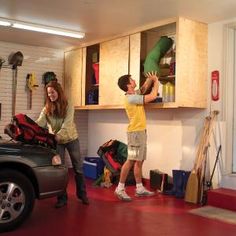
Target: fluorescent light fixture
42,29
4,23
48,30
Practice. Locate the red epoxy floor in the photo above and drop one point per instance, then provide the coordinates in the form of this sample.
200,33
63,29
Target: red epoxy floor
106,215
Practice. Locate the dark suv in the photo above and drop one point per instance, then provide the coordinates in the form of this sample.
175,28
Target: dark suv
27,172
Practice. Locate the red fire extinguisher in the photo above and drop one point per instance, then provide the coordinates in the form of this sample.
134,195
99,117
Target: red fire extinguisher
215,85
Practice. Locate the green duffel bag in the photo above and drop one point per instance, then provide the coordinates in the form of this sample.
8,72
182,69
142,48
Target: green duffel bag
153,58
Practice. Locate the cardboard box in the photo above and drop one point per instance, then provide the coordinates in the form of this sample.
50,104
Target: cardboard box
93,167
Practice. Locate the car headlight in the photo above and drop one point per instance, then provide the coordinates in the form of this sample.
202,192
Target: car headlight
56,160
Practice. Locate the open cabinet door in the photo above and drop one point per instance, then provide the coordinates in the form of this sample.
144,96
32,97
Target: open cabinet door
73,76
114,62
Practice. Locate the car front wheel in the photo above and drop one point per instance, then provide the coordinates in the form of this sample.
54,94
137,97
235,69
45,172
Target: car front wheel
16,199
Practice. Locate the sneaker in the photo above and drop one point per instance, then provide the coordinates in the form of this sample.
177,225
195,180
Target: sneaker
122,195
144,193
60,204
84,200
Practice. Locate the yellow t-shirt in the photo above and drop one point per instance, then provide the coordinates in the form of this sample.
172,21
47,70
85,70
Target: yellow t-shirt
135,111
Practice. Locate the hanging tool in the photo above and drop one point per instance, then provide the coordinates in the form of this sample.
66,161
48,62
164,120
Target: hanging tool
31,84
14,87
14,60
48,77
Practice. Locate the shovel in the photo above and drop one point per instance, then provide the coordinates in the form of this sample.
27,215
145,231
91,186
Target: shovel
14,87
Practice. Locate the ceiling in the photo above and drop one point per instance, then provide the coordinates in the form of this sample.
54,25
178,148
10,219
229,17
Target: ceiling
100,19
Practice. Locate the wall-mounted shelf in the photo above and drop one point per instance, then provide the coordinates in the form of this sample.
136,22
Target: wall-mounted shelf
98,107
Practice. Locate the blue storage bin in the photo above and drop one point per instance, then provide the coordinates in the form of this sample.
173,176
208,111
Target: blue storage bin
93,167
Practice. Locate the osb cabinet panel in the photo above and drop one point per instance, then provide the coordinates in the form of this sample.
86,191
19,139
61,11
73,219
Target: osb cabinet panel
134,63
191,64
126,54
73,76
114,61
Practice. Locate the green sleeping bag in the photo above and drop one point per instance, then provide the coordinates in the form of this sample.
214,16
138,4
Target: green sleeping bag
151,64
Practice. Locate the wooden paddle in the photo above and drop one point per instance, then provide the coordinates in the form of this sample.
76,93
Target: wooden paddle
193,188
202,159
191,193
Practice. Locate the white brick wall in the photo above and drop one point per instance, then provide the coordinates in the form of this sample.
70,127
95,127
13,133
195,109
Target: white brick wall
37,60
81,119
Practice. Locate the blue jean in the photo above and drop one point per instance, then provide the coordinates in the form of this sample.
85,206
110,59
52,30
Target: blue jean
73,149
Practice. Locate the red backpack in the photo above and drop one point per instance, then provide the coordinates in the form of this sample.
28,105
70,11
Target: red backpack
24,129
114,154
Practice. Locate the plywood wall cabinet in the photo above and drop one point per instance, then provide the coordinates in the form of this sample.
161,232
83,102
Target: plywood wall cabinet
191,64
73,76
126,54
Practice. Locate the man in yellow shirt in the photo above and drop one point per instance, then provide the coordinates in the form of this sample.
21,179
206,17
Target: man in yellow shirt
136,132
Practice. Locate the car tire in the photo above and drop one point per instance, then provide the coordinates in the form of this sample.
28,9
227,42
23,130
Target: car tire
17,199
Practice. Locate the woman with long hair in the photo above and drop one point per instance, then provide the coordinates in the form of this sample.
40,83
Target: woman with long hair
58,116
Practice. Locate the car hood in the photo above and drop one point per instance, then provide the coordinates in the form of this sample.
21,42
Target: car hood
34,155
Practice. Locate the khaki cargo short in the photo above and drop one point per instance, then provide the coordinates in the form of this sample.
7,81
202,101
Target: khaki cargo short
137,145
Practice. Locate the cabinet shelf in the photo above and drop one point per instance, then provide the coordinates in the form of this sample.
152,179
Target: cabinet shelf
168,78
158,105
99,107
111,107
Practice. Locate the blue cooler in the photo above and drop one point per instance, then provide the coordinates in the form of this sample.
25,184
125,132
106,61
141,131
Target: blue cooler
93,167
